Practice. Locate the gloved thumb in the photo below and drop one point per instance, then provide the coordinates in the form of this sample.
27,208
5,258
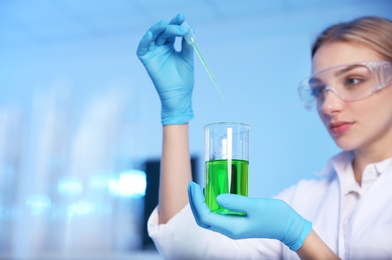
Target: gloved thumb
233,202
197,203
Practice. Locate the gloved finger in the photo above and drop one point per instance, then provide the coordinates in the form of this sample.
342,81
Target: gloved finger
169,34
144,44
186,48
149,38
207,219
197,203
234,202
177,20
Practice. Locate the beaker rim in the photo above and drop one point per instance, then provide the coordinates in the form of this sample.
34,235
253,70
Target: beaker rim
228,124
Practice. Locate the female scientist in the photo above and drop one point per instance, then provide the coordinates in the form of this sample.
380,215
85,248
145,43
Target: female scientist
347,214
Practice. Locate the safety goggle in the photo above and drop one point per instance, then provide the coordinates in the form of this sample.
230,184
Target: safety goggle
349,82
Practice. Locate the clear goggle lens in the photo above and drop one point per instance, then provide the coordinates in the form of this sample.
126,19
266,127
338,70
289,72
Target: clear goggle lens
350,82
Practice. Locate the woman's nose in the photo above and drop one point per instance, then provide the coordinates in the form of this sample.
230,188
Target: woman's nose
331,102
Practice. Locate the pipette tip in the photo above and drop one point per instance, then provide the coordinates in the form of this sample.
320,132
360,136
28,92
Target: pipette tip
189,36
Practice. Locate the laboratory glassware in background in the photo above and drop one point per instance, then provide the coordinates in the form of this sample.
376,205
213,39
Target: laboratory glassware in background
70,184
10,162
226,162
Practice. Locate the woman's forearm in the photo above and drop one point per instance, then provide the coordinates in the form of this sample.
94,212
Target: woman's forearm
314,248
175,171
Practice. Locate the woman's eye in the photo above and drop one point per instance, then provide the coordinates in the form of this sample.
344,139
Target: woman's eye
317,90
353,81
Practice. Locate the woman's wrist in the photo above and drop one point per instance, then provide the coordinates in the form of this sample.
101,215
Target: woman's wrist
314,248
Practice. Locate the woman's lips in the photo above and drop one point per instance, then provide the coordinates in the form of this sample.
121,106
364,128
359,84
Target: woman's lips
338,128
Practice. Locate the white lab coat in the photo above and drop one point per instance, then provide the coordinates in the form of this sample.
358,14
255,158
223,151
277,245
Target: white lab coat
367,235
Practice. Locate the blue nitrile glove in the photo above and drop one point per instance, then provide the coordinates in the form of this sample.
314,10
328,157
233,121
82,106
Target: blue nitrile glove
171,71
265,218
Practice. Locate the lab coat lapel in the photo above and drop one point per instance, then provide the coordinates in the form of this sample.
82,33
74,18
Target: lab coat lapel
370,227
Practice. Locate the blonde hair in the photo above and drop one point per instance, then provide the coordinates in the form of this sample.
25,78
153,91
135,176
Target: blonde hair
369,31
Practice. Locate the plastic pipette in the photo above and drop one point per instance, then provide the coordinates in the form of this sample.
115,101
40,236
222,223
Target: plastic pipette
191,39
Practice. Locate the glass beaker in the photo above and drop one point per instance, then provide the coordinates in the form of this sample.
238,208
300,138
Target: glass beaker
226,162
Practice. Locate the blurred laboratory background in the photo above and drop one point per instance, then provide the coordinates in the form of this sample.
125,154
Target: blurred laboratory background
80,131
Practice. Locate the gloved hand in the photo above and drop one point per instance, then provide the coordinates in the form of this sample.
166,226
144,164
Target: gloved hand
171,71
265,218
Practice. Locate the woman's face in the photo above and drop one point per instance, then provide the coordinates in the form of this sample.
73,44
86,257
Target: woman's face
363,125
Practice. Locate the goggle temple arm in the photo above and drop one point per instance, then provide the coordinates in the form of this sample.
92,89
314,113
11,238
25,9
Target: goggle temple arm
385,74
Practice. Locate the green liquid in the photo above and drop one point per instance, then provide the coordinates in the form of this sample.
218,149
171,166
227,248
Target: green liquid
222,177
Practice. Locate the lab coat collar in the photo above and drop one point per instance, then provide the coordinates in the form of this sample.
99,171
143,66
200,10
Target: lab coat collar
340,166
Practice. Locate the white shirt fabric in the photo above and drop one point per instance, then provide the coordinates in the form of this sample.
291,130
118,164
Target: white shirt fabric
354,220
